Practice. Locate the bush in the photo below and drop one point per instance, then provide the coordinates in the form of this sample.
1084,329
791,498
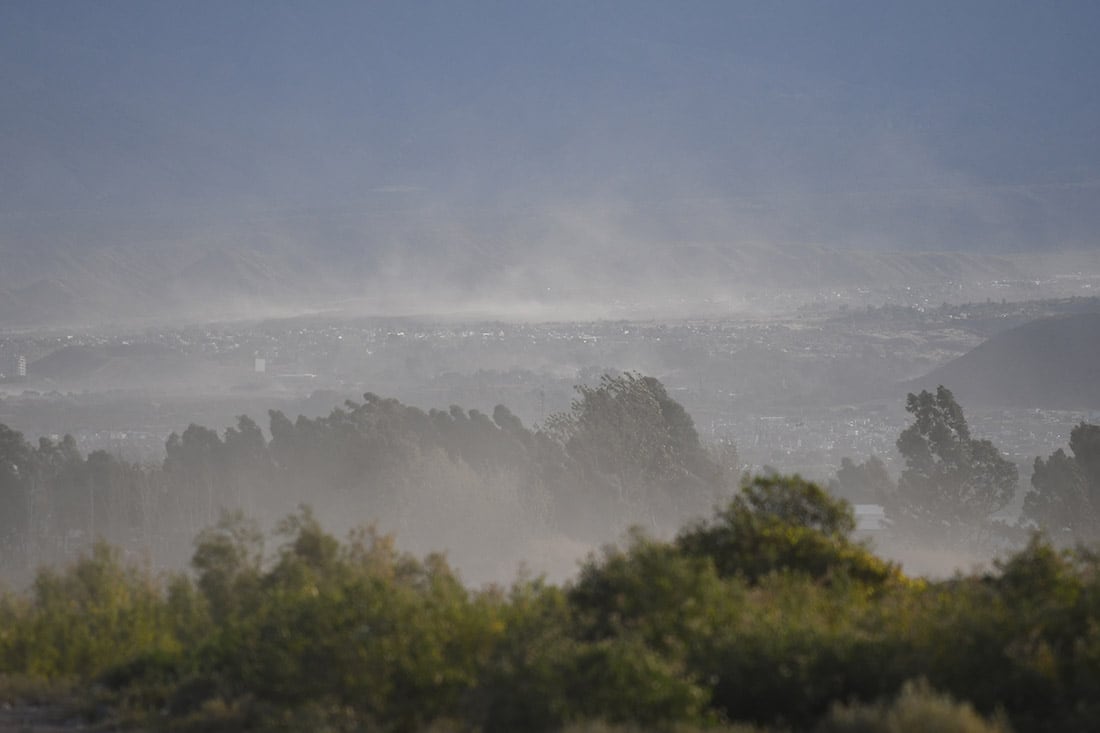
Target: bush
96,614
769,615
785,523
918,709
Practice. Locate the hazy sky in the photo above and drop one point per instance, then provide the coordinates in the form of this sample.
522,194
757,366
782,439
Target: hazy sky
985,115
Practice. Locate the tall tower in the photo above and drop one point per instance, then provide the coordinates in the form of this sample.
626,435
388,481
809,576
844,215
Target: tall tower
21,366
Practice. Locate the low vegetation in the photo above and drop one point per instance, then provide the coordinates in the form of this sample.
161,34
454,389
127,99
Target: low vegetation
769,616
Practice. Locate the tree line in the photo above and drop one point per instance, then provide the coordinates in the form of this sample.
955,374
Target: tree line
625,453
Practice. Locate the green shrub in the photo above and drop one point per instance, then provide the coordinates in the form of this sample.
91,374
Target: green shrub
94,615
784,523
354,635
917,709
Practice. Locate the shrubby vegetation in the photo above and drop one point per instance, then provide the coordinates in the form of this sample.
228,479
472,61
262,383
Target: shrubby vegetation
767,616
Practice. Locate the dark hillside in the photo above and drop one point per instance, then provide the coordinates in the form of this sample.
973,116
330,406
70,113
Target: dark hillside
1052,363
110,363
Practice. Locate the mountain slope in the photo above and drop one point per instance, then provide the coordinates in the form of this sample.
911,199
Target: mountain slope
1052,363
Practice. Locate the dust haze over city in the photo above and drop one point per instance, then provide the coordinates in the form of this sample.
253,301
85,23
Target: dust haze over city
505,280
785,214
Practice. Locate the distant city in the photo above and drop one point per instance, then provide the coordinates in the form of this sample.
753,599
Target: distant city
798,392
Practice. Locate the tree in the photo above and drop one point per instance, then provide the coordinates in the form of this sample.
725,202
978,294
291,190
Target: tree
16,472
950,479
1066,490
1084,441
194,464
639,446
863,483
784,523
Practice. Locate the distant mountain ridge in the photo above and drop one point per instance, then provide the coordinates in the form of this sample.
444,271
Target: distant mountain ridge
95,266
1050,363
86,270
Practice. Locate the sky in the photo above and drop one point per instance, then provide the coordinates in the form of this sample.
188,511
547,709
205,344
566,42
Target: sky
953,125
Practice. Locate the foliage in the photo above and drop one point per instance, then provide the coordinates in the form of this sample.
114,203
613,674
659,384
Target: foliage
50,493
630,455
639,446
1066,496
951,480
916,710
863,483
98,613
227,560
767,616
784,524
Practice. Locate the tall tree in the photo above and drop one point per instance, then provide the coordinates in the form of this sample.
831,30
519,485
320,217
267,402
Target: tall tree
640,446
1084,441
950,479
16,473
1065,499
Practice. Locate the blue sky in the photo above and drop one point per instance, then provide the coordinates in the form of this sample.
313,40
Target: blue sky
983,117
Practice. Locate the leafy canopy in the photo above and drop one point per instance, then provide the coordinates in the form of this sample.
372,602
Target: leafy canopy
950,479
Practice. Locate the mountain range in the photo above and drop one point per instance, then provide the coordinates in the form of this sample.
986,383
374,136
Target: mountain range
86,271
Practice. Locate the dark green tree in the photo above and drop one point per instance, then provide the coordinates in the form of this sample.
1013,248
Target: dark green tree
193,464
951,480
1065,499
784,523
16,474
1084,441
639,446
863,483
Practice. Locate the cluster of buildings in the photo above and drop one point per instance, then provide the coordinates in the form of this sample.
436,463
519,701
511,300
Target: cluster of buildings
13,368
798,392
